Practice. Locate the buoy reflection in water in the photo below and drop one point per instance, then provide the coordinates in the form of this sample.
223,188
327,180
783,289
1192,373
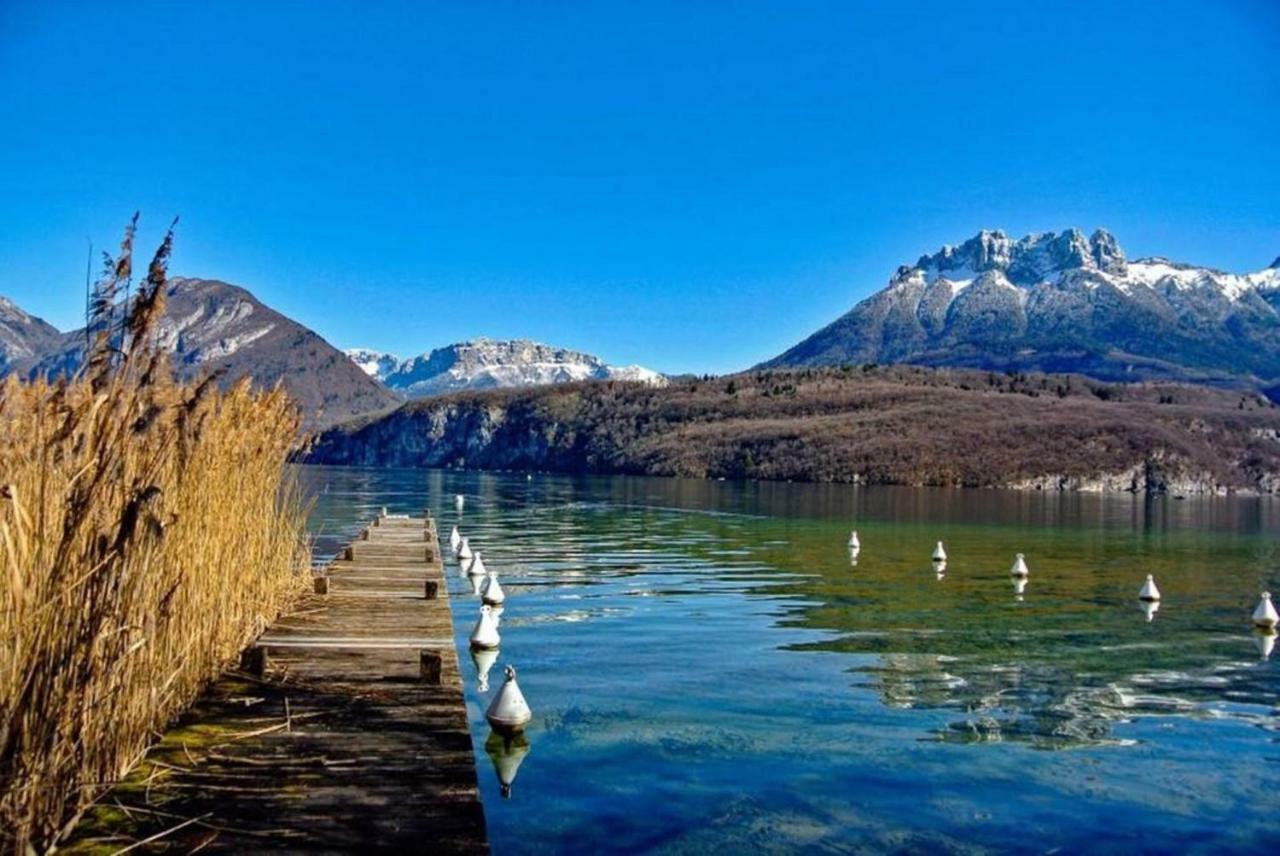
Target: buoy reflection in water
1019,588
1265,643
483,659
1149,608
507,752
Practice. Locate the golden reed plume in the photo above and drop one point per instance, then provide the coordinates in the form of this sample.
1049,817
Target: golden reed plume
148,531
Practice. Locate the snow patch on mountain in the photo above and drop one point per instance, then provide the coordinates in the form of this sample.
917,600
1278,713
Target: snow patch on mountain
22,336
377,364
492,364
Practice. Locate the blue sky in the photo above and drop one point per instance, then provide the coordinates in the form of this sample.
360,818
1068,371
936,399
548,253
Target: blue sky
692,186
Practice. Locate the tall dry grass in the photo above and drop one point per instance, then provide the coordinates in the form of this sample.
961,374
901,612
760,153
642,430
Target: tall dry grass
147,534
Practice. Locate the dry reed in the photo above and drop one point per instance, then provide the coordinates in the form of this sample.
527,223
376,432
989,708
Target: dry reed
148,532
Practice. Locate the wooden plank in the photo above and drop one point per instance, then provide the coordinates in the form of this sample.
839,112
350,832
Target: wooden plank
348,732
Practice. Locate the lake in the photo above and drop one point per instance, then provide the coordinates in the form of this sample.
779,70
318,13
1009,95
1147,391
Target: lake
709,669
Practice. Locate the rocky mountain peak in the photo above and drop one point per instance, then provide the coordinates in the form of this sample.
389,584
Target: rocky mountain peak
1061,301
1106,252
1027,261
489,364
210,325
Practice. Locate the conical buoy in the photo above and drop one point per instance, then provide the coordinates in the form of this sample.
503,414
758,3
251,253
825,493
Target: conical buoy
1150,591
508,713
383,513
464,549
939,554
1265,614
483,659
1149,608
459,501
485,633
455,538
492,593
854,543
476,566
506,753
1265,643
1020,568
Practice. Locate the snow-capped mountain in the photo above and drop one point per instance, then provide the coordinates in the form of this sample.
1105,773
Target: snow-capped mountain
491,364
1062,302
216,326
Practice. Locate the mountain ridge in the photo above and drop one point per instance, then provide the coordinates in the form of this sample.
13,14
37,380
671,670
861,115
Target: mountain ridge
485,363
213,325
1061,302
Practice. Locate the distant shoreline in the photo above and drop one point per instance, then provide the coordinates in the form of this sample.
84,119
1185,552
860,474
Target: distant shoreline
897,425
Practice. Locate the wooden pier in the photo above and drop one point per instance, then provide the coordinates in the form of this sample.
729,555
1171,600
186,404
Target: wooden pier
345,729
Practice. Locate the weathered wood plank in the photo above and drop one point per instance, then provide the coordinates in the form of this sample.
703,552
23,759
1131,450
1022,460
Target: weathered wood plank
353,738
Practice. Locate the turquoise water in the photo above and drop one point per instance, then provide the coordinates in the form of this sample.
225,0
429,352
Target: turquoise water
709,671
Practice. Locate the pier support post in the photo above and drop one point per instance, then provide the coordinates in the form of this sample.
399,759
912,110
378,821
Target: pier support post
430,589
321,584
254,661
349,553
429,664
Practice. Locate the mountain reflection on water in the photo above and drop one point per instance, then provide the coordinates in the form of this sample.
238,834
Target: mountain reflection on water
709,666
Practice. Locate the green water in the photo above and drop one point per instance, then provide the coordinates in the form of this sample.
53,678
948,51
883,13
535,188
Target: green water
709,670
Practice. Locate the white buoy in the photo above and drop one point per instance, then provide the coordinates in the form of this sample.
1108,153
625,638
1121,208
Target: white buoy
455,538
464,549
1150,591
476,566
854,544
508,713
383,513
1149,608
1264,615
1020,568
491,592
459,501
485,633
483,660
506,752
1265,643
939,554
